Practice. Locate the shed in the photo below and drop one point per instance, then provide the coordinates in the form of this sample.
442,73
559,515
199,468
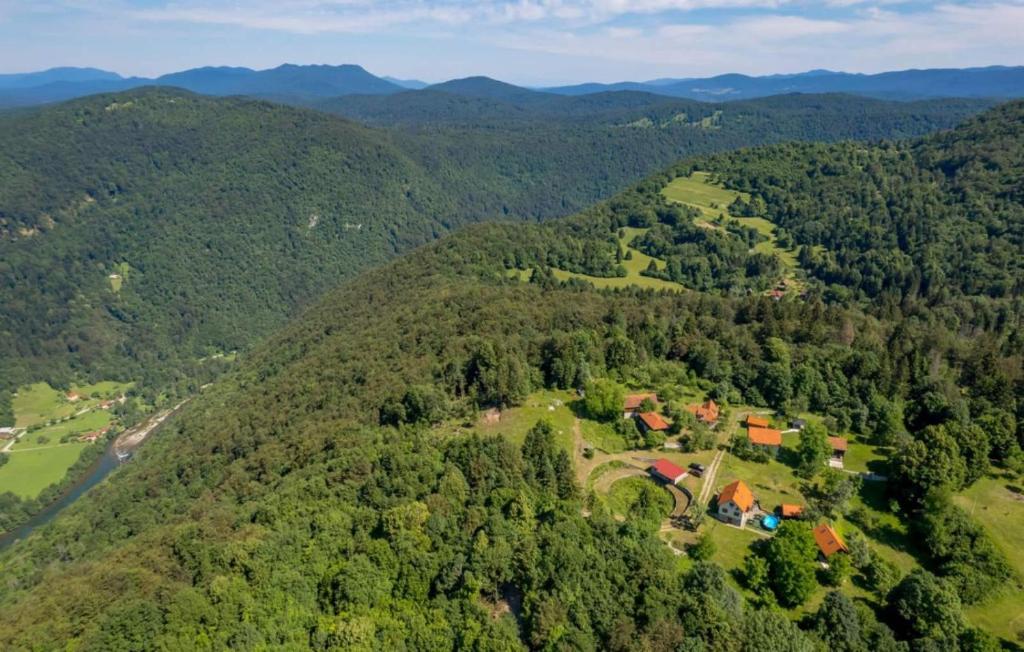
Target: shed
829,542
667,471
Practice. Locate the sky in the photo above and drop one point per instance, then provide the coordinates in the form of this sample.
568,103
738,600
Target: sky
532,42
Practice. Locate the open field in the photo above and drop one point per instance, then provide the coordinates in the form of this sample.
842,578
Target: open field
997,502
105,389
40,403
29,472
50,435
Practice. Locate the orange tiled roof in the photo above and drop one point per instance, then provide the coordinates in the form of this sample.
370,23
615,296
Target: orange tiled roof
828,541
757,422
707,412
764,436
653,421
837,443
791,511
633,401
739,493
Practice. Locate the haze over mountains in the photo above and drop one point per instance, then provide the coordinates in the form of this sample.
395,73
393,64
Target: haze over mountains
301,83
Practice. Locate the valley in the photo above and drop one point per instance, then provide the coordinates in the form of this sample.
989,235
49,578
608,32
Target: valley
739,383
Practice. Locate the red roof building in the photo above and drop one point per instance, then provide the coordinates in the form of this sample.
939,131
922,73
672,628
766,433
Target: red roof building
839,445
667,471
652,421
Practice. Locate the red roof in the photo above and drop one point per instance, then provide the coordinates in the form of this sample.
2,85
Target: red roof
837,443
653,421
765,436
739,493
667,469
828,541
757,422
633,401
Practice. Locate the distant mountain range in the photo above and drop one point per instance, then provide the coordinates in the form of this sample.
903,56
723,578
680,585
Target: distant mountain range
994,81
305,84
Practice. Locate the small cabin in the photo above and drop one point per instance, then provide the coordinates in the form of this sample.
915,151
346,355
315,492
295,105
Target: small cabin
631,407
754,421
829,541
652,421
838,446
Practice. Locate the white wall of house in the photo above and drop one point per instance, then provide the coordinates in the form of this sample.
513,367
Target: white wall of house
730,512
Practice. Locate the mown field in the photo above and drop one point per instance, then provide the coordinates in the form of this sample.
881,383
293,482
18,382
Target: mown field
39,458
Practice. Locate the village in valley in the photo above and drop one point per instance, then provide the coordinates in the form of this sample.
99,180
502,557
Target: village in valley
52,430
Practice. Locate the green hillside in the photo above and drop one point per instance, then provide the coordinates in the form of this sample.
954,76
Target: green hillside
334,491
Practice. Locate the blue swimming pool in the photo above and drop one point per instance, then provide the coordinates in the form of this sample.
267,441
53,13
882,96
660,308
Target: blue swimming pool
770,522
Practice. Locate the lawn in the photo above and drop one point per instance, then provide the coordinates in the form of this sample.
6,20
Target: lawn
602,436
29,472
93,420
40,403
773,483
625,492
997,502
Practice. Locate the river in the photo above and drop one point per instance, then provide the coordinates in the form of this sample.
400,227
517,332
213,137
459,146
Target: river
123,446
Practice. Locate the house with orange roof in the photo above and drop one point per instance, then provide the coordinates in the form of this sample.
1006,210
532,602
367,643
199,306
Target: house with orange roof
768,439
706,412
652,421
631,407
839,446
736,503
828,540
754,421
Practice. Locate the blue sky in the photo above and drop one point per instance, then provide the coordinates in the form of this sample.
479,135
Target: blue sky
522,41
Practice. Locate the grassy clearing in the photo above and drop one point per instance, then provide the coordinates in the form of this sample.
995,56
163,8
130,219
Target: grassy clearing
552,405
625,492
997,502
698,191
773,483
29,472
105,389
51,435
638,263
40,403
602,436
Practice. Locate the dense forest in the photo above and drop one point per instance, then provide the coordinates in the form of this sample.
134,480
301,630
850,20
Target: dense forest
144,231
309,500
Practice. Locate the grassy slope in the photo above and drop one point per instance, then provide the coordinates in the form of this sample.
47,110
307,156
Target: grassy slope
712,200
31,471
998,503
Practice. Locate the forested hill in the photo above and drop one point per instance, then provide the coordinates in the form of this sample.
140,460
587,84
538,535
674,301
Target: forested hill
322,496
143,230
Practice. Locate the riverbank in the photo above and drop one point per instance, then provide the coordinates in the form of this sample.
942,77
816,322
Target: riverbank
120,449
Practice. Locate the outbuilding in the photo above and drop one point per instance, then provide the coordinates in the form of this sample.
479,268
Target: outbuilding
828,540
667,471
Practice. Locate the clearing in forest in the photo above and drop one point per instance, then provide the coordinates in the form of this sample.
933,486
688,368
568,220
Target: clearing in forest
712,200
